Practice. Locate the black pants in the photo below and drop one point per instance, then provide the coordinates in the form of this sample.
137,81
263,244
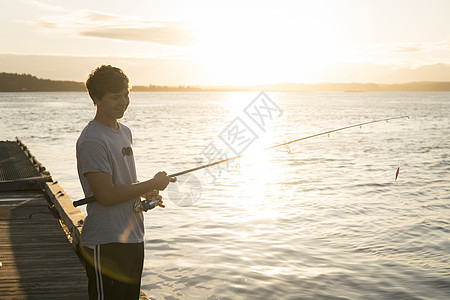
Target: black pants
114,270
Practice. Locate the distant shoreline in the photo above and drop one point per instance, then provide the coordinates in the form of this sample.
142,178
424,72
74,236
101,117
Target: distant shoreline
10,82
234,91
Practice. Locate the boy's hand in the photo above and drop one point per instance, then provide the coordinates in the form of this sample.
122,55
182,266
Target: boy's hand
154,195
161,180
150,194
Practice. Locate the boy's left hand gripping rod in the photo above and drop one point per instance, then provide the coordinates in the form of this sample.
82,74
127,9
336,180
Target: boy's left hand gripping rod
92,198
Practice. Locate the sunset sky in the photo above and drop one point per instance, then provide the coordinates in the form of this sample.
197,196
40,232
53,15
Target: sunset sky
175,42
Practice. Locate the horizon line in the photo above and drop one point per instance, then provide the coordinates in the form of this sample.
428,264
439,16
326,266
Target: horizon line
245,85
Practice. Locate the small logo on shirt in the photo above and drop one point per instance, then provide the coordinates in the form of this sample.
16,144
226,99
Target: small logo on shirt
127,151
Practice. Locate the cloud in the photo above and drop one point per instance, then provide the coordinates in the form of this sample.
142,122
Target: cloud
400,54
417,47
406,49
99,16
87,23
47,7
46,24
161,33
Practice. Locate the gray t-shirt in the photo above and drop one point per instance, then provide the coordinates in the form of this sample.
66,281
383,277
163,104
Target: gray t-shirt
103,149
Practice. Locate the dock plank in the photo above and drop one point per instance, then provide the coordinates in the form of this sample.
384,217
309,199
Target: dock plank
38,260
39,232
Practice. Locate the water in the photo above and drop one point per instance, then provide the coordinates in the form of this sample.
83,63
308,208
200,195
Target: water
325,221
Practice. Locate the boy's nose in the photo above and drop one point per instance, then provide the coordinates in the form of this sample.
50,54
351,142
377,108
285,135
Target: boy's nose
125,100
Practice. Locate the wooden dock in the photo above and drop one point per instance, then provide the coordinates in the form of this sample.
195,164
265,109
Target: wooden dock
38,261
39,232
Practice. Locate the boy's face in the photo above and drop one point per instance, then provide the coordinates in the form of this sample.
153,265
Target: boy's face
114,105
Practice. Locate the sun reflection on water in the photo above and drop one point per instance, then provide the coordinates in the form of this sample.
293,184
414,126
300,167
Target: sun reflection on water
257,186
257,172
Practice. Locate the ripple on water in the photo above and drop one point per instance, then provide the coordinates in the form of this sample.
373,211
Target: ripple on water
326,221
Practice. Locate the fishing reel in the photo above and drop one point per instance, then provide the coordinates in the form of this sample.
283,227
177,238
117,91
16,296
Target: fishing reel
145,205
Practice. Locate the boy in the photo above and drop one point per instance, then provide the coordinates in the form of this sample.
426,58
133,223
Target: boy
113,233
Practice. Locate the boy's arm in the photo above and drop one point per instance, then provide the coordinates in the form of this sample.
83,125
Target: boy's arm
108,193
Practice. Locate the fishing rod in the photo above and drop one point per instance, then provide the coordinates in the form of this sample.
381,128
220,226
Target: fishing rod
153,204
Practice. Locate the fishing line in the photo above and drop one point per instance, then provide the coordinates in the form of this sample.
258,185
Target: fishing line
286,144
401,156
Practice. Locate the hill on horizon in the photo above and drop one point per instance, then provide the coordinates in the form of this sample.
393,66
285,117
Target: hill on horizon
13,82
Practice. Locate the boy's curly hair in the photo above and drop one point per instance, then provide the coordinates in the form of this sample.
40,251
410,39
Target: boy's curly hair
106,79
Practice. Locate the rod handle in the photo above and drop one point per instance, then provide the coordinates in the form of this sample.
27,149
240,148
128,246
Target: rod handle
84,201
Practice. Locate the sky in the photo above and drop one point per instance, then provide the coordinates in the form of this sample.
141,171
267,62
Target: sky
246,42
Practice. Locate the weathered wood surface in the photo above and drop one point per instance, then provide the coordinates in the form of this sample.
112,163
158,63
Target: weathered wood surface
39,232
23,184
37,259
38,262
16,162
72,217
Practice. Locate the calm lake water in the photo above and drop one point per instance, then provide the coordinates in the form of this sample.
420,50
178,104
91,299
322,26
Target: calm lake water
323,219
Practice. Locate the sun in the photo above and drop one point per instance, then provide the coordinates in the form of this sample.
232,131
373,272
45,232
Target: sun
259,46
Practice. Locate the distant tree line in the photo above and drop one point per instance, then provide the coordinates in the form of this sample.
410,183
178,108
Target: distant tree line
11,82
